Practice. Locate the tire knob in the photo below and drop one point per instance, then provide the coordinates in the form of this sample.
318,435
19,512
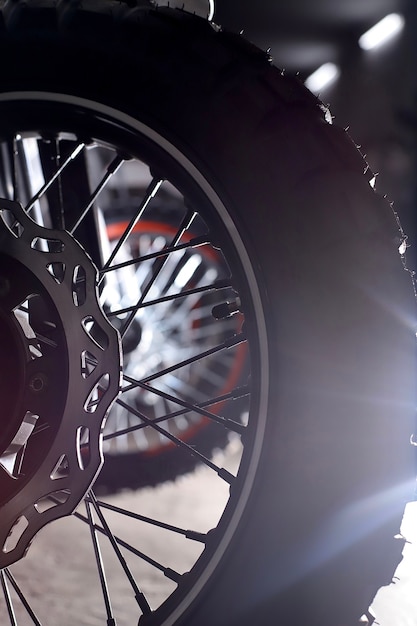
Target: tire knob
202,8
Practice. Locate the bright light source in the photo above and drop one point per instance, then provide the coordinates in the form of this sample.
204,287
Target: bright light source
384,30
322,77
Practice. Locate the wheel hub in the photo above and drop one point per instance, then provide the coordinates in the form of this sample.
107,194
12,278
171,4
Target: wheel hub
60,364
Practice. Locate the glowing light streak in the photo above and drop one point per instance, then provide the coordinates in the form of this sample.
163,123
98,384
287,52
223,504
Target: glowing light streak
322,77
382,31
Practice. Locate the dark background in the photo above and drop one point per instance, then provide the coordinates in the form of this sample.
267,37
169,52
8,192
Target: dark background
376,92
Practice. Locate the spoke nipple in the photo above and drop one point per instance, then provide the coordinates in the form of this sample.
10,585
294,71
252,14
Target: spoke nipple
211,536
38,383
225,310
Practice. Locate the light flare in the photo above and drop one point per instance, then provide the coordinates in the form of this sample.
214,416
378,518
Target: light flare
322,77
382,31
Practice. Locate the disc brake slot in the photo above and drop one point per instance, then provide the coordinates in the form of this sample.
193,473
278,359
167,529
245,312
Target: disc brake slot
83,447
93,330
88,363
57,271
13,224
79,285
61,468
15,534
50,501
44,244
11,460
97,394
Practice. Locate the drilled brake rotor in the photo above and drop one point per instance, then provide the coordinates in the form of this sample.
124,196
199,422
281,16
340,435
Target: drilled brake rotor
60,367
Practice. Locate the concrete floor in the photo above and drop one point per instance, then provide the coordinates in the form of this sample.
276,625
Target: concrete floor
63,550
61,557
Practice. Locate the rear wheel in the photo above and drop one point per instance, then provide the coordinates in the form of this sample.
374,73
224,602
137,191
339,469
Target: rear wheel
307,267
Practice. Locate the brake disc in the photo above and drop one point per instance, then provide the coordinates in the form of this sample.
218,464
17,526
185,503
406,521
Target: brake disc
60,369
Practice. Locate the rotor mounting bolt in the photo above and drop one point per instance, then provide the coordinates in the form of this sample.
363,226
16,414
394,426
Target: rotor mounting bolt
38,383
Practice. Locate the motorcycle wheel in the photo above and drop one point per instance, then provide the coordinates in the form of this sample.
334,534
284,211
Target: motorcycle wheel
306,535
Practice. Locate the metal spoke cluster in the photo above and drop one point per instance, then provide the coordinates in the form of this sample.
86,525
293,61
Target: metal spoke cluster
168,282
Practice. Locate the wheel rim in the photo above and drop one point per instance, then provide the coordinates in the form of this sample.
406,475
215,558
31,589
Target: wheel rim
204,562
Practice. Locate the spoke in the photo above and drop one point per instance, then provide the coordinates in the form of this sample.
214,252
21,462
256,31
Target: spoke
139,596
227,423
215,327
40,429
218,285
20,164
60,194
8,599
185,308
58,172
167,571
193,243
100,566
220,471
45,340
150,193
188,389
210,375
22,598
185,224
228,343
14,166
11,149
112,168
189,534
239,392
